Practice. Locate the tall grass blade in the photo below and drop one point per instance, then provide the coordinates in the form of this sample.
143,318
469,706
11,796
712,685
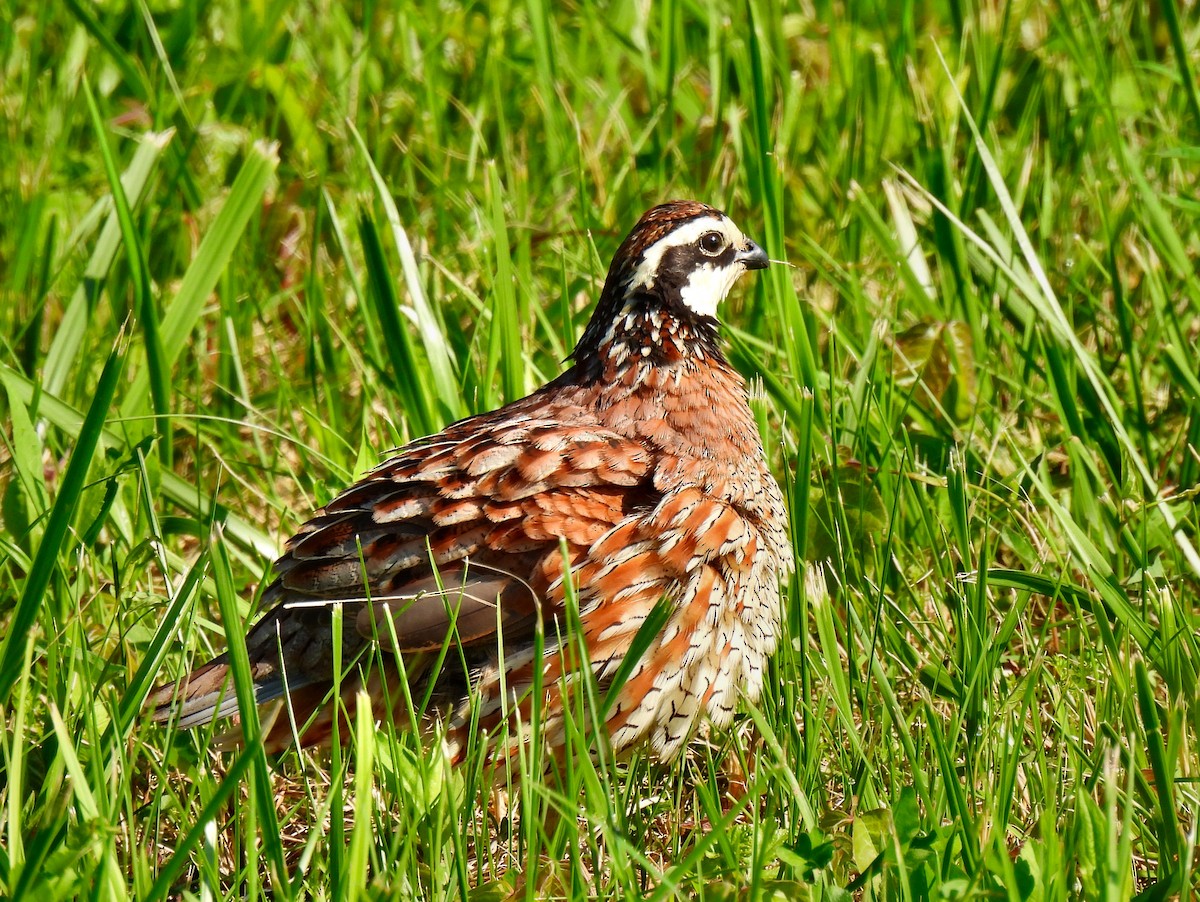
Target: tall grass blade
1047,304
263,795
143,301
231,782
63,354
406,369
504,330
183,313
45,561
429,325
175,488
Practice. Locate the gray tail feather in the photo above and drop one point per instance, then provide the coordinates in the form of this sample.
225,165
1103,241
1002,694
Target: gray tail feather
207,694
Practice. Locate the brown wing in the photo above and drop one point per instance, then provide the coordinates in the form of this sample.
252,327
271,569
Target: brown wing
481,507
454,538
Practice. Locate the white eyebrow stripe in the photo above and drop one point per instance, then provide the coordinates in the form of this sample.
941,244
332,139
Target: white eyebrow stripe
647,271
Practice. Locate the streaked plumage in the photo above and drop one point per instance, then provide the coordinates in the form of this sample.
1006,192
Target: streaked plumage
642,461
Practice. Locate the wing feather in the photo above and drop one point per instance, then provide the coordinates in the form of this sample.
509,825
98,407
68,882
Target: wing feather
457,536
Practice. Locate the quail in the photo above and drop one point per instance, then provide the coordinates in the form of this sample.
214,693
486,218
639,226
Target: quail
635,479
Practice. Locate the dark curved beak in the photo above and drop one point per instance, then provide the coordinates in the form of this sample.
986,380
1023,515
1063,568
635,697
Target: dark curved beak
752,256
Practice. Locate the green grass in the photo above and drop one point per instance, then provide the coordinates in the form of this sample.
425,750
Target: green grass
247,248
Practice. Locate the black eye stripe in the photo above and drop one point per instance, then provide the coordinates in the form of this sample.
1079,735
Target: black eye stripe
723,259
678,263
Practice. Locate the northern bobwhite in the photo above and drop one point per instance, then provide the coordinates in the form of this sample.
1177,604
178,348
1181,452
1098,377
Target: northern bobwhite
640,465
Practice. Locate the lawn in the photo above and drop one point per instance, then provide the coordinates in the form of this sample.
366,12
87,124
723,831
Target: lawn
246,249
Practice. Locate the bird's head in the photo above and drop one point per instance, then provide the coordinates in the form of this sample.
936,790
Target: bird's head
666,281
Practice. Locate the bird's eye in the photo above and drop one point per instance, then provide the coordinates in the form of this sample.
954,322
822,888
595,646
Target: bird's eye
712,243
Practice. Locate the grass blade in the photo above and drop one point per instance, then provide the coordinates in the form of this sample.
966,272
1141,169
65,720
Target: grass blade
429,326
45,560
262,793
63,354
406,369
175,488
182,314
1055,318
143,303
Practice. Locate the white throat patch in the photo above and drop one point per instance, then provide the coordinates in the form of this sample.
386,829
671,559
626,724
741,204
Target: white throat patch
708,286
710,282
